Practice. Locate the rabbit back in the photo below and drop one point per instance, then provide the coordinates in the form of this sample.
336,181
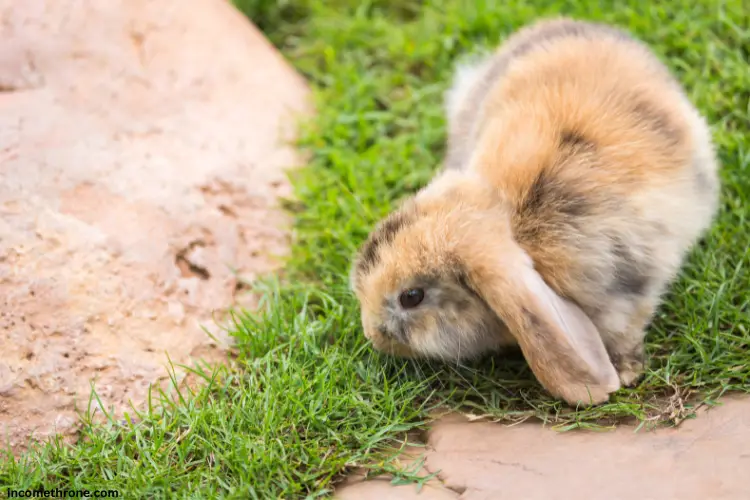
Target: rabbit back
609,168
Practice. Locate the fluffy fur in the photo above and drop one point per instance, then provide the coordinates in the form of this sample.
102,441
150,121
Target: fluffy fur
577,177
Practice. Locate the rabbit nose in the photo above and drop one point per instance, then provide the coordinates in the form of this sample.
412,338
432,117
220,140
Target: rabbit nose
378,331
374,332
395,332
382,330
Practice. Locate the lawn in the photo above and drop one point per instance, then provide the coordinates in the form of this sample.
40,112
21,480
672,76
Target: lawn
306,398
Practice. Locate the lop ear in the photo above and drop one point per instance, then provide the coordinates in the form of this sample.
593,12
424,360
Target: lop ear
558,340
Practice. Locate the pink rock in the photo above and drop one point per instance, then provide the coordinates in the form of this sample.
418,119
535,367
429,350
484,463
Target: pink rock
142,152
704,458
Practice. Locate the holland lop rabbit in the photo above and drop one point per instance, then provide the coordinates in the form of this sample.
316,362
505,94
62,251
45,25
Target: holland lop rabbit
577,177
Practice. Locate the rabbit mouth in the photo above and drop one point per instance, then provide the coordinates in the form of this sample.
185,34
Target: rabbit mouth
392,348
382,341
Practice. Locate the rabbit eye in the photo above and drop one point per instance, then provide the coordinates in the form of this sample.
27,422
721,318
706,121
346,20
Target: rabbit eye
411,298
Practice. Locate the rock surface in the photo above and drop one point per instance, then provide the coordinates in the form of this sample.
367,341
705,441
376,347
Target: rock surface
705,457
142,148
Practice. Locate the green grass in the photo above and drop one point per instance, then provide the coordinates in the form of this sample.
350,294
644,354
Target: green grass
306,399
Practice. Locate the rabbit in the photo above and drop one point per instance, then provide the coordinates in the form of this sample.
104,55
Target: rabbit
577,177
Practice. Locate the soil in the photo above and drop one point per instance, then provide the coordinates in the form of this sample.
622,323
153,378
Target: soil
143,147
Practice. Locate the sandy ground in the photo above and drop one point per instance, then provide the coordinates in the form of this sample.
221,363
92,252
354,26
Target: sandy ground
142,147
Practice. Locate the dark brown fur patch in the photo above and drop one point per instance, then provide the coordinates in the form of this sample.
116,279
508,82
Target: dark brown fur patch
462,279
548,196
629,278
383,234
655,119
574,139
616,358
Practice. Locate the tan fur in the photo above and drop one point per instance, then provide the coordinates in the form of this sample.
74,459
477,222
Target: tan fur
574,150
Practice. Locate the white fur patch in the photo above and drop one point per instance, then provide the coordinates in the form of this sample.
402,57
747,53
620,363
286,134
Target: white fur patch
468,72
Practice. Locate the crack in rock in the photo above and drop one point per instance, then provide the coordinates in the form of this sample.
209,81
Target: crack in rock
186,261
508,464
459,490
